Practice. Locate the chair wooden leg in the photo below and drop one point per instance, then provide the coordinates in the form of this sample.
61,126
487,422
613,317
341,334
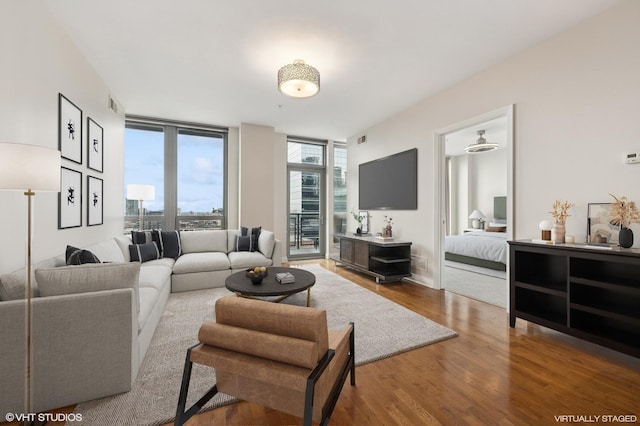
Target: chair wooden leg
181,415
349,369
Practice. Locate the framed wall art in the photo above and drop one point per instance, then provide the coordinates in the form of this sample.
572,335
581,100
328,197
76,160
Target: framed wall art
94,201
95,157
69,130
599,227
70,199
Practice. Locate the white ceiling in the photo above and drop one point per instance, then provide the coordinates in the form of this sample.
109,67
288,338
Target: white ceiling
215,61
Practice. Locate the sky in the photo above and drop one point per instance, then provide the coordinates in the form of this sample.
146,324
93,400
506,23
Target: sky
200,169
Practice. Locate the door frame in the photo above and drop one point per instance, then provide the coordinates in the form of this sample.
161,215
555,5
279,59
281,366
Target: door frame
322,249
439,169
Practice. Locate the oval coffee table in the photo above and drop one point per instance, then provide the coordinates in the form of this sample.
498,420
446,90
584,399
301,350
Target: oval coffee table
242,286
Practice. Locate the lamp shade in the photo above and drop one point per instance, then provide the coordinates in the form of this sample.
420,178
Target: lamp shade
141,192
298,79
545,225
476,214
31,167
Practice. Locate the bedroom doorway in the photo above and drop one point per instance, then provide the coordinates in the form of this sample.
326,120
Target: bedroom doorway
475,199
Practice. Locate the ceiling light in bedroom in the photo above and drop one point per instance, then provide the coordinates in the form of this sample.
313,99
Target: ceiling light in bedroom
298,80
481,145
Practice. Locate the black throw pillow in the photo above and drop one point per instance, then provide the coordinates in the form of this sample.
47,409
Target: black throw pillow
170,244
254,233
76,256
142,237
144,252
244,243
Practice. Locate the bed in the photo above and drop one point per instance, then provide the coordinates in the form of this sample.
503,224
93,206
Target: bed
485,248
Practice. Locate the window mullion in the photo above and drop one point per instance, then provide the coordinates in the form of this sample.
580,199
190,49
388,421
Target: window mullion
171,177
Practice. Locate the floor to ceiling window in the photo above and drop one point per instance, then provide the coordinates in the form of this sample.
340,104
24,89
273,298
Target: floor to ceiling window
306,175
339,191
144,165
186,166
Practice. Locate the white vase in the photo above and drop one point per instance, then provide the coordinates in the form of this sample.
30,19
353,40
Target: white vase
558,232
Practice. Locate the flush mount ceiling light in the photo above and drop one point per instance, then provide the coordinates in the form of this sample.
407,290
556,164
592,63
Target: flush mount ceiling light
481,145
298,80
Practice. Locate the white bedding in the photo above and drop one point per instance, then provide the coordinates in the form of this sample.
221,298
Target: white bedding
479,244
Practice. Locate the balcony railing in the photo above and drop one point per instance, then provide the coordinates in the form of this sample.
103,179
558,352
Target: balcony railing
304,230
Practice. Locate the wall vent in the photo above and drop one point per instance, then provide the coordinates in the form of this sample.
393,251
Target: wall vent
362,139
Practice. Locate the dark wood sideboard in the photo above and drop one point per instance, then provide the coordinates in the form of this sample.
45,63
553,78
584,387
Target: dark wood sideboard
386,260
589,292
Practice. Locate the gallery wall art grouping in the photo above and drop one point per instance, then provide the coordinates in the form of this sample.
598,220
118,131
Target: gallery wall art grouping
71,143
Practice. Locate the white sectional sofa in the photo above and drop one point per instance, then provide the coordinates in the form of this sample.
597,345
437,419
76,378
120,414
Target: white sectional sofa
92,324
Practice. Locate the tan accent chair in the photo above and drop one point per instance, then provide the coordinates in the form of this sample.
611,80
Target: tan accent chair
280,356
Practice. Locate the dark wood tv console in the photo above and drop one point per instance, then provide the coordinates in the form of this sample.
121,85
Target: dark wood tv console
386,260
588,292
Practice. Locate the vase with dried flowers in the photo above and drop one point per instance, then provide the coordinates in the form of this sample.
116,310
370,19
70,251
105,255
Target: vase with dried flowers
387,230
560,213
624,213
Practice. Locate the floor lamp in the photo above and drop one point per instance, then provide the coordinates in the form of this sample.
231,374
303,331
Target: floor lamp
141,193
29,168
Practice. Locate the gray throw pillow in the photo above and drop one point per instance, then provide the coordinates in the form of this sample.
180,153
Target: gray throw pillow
89,278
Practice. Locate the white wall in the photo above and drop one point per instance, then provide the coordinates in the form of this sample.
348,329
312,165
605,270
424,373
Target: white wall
262,197
489,180
576,114
39,61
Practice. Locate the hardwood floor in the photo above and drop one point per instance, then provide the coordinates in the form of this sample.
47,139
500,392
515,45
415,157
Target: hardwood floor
490,374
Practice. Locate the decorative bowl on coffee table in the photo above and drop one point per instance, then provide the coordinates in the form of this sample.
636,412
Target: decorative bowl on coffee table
256,274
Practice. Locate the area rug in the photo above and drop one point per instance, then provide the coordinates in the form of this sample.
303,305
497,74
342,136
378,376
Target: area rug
383,328
477,286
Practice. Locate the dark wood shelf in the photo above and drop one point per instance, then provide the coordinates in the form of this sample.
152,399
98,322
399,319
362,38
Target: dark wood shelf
386,260
572,288
556,291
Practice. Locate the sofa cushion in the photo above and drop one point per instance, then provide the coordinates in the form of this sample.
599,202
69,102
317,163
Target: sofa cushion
204,241
266,243
76,256
247,259
107,251
231,238
144,252
148,300
154,276
88,278
13,285
201,262
123,243
166,262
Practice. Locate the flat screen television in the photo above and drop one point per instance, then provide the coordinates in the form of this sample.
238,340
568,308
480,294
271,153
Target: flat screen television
389,183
